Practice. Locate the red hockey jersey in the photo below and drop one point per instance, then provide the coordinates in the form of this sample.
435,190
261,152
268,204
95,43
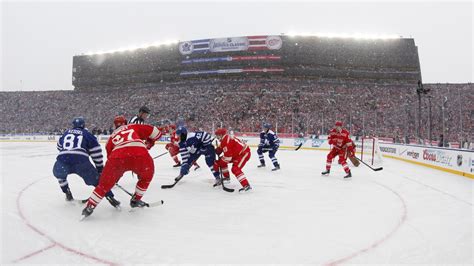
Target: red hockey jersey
131,139
339,139
174,139
232,148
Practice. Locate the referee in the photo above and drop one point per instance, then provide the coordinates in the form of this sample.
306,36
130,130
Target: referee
143,114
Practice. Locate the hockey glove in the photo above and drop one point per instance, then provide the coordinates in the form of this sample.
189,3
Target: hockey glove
149,144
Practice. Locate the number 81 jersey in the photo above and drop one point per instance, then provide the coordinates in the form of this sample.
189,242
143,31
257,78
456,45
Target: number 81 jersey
128,140
75,146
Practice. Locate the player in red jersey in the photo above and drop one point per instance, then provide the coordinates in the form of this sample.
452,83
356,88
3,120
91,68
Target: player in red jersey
341,142
126,151
234,151
173,147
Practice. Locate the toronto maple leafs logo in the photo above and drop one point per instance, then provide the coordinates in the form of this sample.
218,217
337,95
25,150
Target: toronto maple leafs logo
186,48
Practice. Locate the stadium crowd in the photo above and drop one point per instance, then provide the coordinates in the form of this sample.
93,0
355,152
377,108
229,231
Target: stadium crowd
292,105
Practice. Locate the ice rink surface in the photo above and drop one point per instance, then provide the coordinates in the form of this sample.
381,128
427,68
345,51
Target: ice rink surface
405,214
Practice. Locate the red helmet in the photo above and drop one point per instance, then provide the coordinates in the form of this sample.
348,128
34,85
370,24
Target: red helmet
338,124
220,132
173,127
119,121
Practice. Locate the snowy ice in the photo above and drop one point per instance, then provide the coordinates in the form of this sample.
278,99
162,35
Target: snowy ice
404,214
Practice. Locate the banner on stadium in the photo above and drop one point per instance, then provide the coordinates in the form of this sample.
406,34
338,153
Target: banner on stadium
231,58
231,71
231,44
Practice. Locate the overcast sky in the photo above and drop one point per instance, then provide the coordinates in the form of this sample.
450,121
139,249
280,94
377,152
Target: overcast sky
40,39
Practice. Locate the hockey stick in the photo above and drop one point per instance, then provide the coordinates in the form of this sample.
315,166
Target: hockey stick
299,146
373,169
158,156
176,180
152,204
226,189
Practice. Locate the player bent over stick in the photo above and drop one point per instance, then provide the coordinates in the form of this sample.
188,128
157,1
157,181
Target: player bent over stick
235,152
126,151
191,147
75,146
173,147
339,138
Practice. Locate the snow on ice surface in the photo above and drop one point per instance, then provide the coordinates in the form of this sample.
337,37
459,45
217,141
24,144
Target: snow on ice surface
403,214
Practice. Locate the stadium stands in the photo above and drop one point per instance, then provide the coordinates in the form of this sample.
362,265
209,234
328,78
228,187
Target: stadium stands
293,106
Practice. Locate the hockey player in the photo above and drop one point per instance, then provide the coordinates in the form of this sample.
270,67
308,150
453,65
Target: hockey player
191,146
234,151
270,143
173,147
126,151
75,146
143,114
341,142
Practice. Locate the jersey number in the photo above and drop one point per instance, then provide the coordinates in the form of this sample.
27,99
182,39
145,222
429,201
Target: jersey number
122,136
72,141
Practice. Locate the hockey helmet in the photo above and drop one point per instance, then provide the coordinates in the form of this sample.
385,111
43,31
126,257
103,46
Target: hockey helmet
144,109
267,125
220,132
338,124
181,131
78,122
172,127
119,121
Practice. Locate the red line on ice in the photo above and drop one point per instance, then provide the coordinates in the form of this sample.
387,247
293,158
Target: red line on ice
54,242
34,253
381,240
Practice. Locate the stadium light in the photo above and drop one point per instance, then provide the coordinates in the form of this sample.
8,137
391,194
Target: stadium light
135,47
357,35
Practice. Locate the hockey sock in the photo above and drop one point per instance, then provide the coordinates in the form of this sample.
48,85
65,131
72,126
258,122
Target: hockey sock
328,165
225,172
243,181
139,191
346,167
64,185
274,161
215,173
94,199
176,160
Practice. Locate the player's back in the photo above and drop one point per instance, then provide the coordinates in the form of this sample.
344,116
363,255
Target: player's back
76,144
128,140
198,139
232,146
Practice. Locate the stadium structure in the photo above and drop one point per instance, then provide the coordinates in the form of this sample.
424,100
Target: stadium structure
299,83
383,60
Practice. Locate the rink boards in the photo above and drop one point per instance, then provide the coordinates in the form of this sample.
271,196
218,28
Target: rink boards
454,161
